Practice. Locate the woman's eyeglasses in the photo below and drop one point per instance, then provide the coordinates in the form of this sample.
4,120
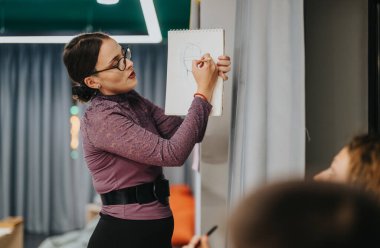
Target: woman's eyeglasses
121,63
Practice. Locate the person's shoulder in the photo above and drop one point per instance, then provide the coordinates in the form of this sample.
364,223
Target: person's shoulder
100,108
103,104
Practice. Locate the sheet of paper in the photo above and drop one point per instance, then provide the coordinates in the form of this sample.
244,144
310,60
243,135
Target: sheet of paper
184,46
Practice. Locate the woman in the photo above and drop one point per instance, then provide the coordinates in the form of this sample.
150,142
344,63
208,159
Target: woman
127,139
358,164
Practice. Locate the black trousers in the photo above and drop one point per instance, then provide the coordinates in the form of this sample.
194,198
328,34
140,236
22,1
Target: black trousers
114,233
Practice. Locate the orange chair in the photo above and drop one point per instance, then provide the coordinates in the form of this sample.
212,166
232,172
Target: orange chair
183,206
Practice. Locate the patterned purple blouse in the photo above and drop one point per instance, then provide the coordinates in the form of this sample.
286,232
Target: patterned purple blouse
127,140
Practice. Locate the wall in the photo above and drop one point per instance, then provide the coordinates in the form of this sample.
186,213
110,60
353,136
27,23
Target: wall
336,76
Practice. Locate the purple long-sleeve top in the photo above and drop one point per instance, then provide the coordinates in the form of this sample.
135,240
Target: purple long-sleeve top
127,140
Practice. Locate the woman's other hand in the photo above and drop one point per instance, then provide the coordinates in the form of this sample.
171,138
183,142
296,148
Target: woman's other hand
198,242
224,66
205,72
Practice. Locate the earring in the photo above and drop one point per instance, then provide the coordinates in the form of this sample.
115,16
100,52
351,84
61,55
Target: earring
99,86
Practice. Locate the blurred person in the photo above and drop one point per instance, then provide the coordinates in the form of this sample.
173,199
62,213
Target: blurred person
357,163
304,215
127,139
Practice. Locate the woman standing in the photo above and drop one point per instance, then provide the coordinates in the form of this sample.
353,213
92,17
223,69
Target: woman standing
127,139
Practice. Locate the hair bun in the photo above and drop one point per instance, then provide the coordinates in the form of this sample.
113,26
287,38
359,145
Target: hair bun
82,92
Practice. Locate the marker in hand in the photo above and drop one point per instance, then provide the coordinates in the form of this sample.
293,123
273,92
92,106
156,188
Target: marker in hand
207,234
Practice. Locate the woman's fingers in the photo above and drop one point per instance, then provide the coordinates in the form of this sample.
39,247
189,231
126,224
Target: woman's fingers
198,242
224,57
204,242
193,242
201,62
224,68
224,62
197,64
222,75
223,65
206,55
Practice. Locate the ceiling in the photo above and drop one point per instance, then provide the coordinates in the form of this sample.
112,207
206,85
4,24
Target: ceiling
69,17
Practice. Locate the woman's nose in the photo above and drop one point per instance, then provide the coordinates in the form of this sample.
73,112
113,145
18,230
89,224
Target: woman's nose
129,63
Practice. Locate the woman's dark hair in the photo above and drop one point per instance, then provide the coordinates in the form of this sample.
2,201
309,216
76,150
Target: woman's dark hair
80,56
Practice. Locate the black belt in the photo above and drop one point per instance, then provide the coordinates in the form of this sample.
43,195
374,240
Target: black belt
142,194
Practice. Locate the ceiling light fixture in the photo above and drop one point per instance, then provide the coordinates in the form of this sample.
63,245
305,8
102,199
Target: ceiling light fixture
107,2
151,21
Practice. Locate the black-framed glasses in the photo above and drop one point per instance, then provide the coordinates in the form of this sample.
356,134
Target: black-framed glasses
121,63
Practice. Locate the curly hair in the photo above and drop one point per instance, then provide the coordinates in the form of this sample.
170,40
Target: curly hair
364,152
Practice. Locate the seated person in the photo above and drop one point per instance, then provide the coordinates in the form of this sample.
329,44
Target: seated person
358,163
304,214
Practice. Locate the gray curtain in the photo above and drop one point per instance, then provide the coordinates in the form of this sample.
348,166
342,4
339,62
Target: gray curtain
38,178
268,124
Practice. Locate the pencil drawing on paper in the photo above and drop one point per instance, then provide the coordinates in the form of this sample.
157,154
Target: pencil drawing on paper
189,53
184,47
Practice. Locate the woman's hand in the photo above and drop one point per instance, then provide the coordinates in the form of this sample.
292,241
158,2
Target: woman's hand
198,242
224,66
205,72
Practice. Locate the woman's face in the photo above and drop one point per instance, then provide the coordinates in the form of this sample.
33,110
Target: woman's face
338,170
113,81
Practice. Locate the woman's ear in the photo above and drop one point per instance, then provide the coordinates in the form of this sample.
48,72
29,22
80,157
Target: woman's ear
91,82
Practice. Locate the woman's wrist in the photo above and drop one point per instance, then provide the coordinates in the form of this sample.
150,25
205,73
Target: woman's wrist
205,94
200,95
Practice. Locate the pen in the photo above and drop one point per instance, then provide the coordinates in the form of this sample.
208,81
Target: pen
211,230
